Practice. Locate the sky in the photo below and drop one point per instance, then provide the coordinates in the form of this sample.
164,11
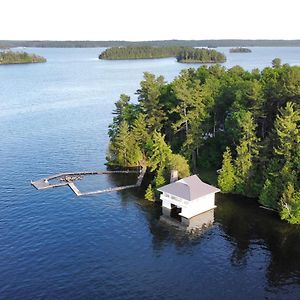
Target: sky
137,20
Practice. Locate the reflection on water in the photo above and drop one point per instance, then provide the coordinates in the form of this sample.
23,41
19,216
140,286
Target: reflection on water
54,245
194,226
257,242
251,229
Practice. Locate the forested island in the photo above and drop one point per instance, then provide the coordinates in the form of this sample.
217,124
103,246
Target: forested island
244,124
182,54
240,50
156,43
10,57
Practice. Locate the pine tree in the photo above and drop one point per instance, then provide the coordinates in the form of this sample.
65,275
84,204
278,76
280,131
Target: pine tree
160,152
159,178
290,204
149,195
270,193
149,100
247,150
226,178
287,130
119,111
139,129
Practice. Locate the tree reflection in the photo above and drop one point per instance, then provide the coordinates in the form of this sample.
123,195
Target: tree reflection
252,233
250,228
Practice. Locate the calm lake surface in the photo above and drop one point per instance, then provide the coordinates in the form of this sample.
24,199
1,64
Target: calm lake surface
54,245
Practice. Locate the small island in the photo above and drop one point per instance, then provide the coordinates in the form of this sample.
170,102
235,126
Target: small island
10,57
182,54
240,50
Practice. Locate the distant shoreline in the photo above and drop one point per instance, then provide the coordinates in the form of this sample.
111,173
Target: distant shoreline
189,43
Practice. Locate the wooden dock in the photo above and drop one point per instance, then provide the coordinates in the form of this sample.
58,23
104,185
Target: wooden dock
43,183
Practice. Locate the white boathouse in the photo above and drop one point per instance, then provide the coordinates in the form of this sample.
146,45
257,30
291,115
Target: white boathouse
190,195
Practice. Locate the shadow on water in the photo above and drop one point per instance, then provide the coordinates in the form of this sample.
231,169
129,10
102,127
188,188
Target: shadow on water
251,232
248,228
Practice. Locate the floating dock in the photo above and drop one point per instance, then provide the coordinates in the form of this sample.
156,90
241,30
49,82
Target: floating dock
44,183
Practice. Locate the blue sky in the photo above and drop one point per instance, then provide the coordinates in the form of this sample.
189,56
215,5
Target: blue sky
149,20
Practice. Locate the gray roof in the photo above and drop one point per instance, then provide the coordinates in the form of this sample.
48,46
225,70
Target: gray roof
189,188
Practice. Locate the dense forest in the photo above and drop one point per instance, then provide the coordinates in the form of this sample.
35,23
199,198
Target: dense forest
243,125
196,55
139,52
183,54
240,50
10,57
157,43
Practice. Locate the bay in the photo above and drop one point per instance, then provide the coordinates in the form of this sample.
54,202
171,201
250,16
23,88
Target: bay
54,245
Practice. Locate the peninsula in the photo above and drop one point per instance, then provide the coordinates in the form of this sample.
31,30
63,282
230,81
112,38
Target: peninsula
244,124
10,57
182,54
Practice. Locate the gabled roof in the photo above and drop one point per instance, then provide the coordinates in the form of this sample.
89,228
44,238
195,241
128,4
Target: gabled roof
189,188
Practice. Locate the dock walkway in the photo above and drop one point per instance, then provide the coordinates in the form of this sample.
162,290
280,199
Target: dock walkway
43,183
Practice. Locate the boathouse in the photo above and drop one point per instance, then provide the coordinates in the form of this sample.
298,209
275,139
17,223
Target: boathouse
190,195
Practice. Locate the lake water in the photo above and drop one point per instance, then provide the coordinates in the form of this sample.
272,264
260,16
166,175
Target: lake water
54,245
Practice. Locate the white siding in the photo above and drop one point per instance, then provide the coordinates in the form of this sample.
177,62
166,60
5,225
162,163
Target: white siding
189,208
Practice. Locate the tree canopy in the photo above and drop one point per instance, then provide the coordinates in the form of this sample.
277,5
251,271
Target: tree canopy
244,124
183,54
10,57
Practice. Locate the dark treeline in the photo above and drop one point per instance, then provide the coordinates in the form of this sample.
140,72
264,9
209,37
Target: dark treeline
244,124
197,55
140,52
186,43
240,50
183,54
10,57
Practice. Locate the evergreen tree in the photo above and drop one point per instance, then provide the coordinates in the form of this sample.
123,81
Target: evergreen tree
270,192
150,195
159,178
124,149
139,130
149,100
287,131
247,150
226,178
160,152
290,204
119,112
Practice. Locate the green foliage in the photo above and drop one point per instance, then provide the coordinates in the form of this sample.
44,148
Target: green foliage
10,57
251,119
287,130
276,63
150,195
226,178
149,100
179,163
269,194
290,204
159,178
183,54
124,150
196,55
160,152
